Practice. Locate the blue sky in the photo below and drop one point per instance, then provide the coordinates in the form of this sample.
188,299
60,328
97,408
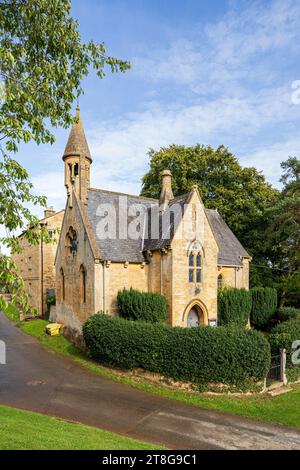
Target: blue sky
213,72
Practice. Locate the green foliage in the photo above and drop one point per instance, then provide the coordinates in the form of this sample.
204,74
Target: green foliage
291,327
264,304
282,237
199,355
14,284
241,195
12,313
283,335
287,313
51,300
43,62
279,409
293,373
288,286
15,191
234,307
266,221
144,306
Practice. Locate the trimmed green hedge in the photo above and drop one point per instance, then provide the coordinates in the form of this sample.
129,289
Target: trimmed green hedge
264,304
144,306
283,335
234,307
287,313
201,355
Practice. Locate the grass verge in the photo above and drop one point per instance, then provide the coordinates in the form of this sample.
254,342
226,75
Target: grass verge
24,430
283,409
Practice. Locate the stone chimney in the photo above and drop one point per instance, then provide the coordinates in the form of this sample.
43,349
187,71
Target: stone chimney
48,212
166,194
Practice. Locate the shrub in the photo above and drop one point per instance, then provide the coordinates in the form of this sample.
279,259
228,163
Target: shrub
264,304
51,300
283,335
144,306
287,313
234,307
200,355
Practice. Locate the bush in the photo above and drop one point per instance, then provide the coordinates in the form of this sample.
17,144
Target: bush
144,306
283,335
287,313
51,300
203,355
234,307
264,304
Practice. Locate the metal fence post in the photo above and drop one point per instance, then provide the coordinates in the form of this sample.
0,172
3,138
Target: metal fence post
283,377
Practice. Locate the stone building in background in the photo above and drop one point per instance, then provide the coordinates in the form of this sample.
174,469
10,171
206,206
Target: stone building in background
111,240
36,262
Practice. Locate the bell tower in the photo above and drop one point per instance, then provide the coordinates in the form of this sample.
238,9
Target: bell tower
77,160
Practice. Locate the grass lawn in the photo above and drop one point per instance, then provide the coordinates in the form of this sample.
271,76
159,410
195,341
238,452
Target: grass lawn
23,430
283,409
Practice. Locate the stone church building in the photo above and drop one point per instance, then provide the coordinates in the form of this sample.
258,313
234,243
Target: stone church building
110,241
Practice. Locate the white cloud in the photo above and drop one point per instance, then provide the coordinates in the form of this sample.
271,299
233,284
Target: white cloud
226,55
226,85
269,158
227,89
120,148
50,184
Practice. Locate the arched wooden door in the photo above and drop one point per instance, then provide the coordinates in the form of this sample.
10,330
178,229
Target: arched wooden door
195,317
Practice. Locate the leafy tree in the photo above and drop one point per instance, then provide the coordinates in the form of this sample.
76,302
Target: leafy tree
42,63
241,195
283,234
291,176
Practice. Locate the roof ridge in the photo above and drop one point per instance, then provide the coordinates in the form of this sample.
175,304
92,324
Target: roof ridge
52,215
100,190
179,197
214,210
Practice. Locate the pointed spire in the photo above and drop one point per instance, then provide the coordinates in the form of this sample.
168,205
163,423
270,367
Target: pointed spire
77,143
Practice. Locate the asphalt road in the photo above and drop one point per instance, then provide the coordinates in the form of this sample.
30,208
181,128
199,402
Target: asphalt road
38,380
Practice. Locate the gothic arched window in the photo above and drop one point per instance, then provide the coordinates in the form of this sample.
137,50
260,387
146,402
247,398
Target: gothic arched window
62,284
195,267
198,267
82,284
71,241
220,281
191,267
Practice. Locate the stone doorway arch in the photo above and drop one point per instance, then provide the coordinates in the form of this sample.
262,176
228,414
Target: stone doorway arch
195,314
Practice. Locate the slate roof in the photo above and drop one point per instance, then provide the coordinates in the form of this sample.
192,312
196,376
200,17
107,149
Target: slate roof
230,249
118,249
165,233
